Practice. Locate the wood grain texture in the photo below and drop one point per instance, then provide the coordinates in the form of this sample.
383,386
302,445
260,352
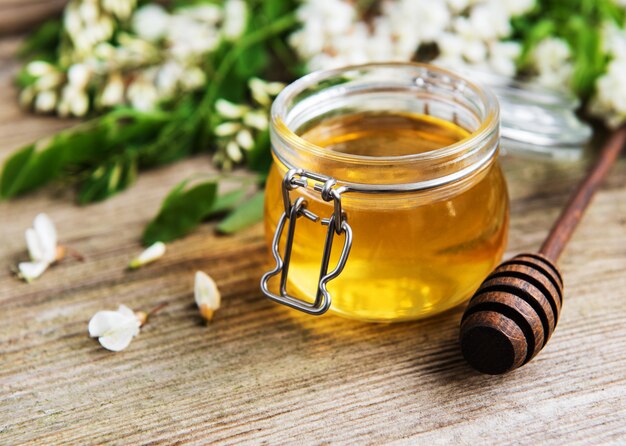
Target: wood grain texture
262,374
24,15
573,212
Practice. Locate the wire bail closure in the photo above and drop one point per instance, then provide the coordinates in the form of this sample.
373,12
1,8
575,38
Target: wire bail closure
337,225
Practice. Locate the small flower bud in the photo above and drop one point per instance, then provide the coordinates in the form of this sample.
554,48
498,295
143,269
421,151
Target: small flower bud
38,68
27,96
207,295
227,128
78,75
193,78
256,119
233,151
152,253
46,101
49,81
244,139
229,110
235,18
113,92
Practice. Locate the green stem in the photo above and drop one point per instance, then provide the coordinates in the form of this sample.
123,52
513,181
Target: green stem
229,60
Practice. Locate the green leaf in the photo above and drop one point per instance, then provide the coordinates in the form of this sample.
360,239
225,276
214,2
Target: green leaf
12,168
259,159
182,210
81,150
44,41
108,180
249,213
227,201
30,168
24,79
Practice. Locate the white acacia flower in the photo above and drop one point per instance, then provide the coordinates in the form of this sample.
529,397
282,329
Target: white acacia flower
235,18
78,75
113,92
151,22
74,101
193,78
143,95
256,119
229,109
234,151
517,7
38,68
207,295
152,253
552,62
204,12
88,11
244,139
41,241
333,32
609,101
49,80
116,329
71,20
227,128
168,78
46,101
262,91
122,9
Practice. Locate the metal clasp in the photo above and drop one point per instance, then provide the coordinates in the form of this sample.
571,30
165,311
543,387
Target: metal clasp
337,225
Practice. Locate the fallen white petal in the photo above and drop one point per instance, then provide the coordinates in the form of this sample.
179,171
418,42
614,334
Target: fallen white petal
123,309
207,295
35,250
117,340
31,270
154,252
114,329
47,236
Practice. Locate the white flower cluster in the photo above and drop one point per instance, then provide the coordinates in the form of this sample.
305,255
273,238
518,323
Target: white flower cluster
466,32
609,101
90,22
242,123
162,55
552,62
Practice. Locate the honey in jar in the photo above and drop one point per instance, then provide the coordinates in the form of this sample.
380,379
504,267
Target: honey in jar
409,153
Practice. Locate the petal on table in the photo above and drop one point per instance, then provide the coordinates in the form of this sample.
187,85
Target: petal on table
35,250
31,270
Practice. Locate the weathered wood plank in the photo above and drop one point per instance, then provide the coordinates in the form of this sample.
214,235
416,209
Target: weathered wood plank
263,374
23,15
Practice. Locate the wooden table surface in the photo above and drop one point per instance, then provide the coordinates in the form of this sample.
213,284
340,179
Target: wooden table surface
263,374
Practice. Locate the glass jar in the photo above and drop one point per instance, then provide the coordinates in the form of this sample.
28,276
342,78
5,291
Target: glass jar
385,201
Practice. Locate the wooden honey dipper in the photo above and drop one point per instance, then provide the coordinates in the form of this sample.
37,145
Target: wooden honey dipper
515,310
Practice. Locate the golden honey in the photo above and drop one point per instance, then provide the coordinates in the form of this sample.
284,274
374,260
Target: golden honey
414,253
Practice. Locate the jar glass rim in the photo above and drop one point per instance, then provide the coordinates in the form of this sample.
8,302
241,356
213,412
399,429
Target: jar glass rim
280,110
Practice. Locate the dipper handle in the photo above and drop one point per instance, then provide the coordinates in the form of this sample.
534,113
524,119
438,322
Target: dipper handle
571,215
